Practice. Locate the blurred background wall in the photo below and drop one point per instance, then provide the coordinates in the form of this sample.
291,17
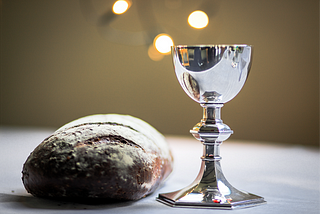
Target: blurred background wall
57,64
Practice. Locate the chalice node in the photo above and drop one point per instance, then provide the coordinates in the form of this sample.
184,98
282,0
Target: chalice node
211,75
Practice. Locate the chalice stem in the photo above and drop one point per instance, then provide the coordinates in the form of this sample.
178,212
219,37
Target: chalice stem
211,132
212,112
211,128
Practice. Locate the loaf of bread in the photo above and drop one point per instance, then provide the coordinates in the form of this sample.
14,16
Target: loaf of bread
100,156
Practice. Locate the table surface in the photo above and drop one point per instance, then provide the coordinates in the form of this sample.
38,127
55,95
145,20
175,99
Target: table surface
288,177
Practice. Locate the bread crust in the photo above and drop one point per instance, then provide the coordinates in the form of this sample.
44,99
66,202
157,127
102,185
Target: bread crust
100,156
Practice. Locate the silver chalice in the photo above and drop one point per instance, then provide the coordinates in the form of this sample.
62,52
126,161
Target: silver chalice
211,75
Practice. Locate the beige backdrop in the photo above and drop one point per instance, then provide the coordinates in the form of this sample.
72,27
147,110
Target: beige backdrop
56,66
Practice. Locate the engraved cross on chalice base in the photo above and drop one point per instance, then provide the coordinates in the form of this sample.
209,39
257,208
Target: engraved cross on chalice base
211,75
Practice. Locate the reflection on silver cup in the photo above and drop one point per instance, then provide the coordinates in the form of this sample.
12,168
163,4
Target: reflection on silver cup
220,71
190,85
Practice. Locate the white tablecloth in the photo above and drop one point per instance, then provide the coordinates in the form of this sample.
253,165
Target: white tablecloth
286,176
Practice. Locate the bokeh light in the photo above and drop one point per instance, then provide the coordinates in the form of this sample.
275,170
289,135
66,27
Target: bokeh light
120,7
198,19
163,43
154,54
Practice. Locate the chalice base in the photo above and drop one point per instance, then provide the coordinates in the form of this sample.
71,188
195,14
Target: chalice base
212,191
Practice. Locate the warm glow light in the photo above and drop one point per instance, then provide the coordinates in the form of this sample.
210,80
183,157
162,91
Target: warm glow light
120,7
154,54
198,19
163,43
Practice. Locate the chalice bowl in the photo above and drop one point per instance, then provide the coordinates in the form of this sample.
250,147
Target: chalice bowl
211,75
